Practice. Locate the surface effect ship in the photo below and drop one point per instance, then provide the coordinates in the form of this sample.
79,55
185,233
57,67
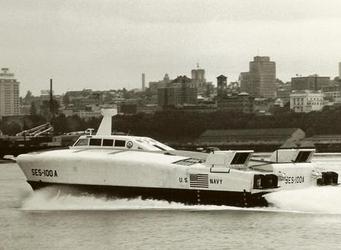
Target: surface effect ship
126,166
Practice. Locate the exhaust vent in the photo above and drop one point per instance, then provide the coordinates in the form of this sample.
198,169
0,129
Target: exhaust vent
328,178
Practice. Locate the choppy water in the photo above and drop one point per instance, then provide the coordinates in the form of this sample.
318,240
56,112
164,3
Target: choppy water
305,219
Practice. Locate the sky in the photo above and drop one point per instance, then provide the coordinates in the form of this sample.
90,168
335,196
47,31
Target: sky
107,44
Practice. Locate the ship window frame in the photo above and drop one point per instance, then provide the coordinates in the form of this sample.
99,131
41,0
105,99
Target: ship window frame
109,144
95,140
119,143
159,147
82,140
188,162
240,158
302,156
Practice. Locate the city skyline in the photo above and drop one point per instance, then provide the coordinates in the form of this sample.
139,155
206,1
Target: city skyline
107,45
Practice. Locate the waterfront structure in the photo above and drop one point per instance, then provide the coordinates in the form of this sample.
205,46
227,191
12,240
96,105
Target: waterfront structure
128,108
153,86
241,103
178,92
262,106
260,81
197,81
331,93
221,86
325,142
260,139
312,82
86,115
233,88
278,104
306,101
9,94
132,108
80,100
147,109
283,92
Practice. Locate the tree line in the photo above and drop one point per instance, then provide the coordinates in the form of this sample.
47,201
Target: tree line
186,126
181,126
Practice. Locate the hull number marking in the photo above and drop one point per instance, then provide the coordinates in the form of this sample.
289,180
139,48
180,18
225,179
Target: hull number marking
294,179
44,172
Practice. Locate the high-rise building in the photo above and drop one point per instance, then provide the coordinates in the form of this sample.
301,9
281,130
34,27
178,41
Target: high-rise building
9,93
199,82
313,82
340,70
263,75
198,75
260,81
221,86
178,92
244,80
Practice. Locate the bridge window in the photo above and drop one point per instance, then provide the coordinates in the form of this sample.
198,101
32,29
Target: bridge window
240,158
120,143
95,142
188,162
82,142
161,148
302,156
108,142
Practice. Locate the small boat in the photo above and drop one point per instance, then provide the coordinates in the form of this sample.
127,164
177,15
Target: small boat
126,166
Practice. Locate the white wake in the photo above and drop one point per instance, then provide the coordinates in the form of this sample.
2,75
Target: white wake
310,200
51,198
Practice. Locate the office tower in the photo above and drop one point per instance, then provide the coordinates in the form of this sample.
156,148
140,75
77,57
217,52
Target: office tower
313,82
9,93
221,86
263,77
260,81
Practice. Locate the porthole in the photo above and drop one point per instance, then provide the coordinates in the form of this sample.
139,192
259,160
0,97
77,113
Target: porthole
130,144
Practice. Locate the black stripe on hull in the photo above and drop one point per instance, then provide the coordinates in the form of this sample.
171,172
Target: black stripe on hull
186,196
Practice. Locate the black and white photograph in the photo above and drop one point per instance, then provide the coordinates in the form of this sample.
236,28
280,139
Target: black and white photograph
170,124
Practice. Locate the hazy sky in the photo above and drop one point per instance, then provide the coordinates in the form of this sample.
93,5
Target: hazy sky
103,44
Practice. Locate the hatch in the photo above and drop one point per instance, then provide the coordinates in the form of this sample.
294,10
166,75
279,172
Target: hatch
292,155
222,161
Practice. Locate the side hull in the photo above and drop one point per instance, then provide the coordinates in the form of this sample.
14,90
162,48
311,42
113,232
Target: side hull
186,196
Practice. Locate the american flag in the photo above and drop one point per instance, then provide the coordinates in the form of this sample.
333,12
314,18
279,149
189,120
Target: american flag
198,180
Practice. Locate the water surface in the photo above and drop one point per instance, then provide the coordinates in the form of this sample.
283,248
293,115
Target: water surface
308,219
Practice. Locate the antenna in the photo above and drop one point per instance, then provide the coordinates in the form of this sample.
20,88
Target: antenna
51,99
198,65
